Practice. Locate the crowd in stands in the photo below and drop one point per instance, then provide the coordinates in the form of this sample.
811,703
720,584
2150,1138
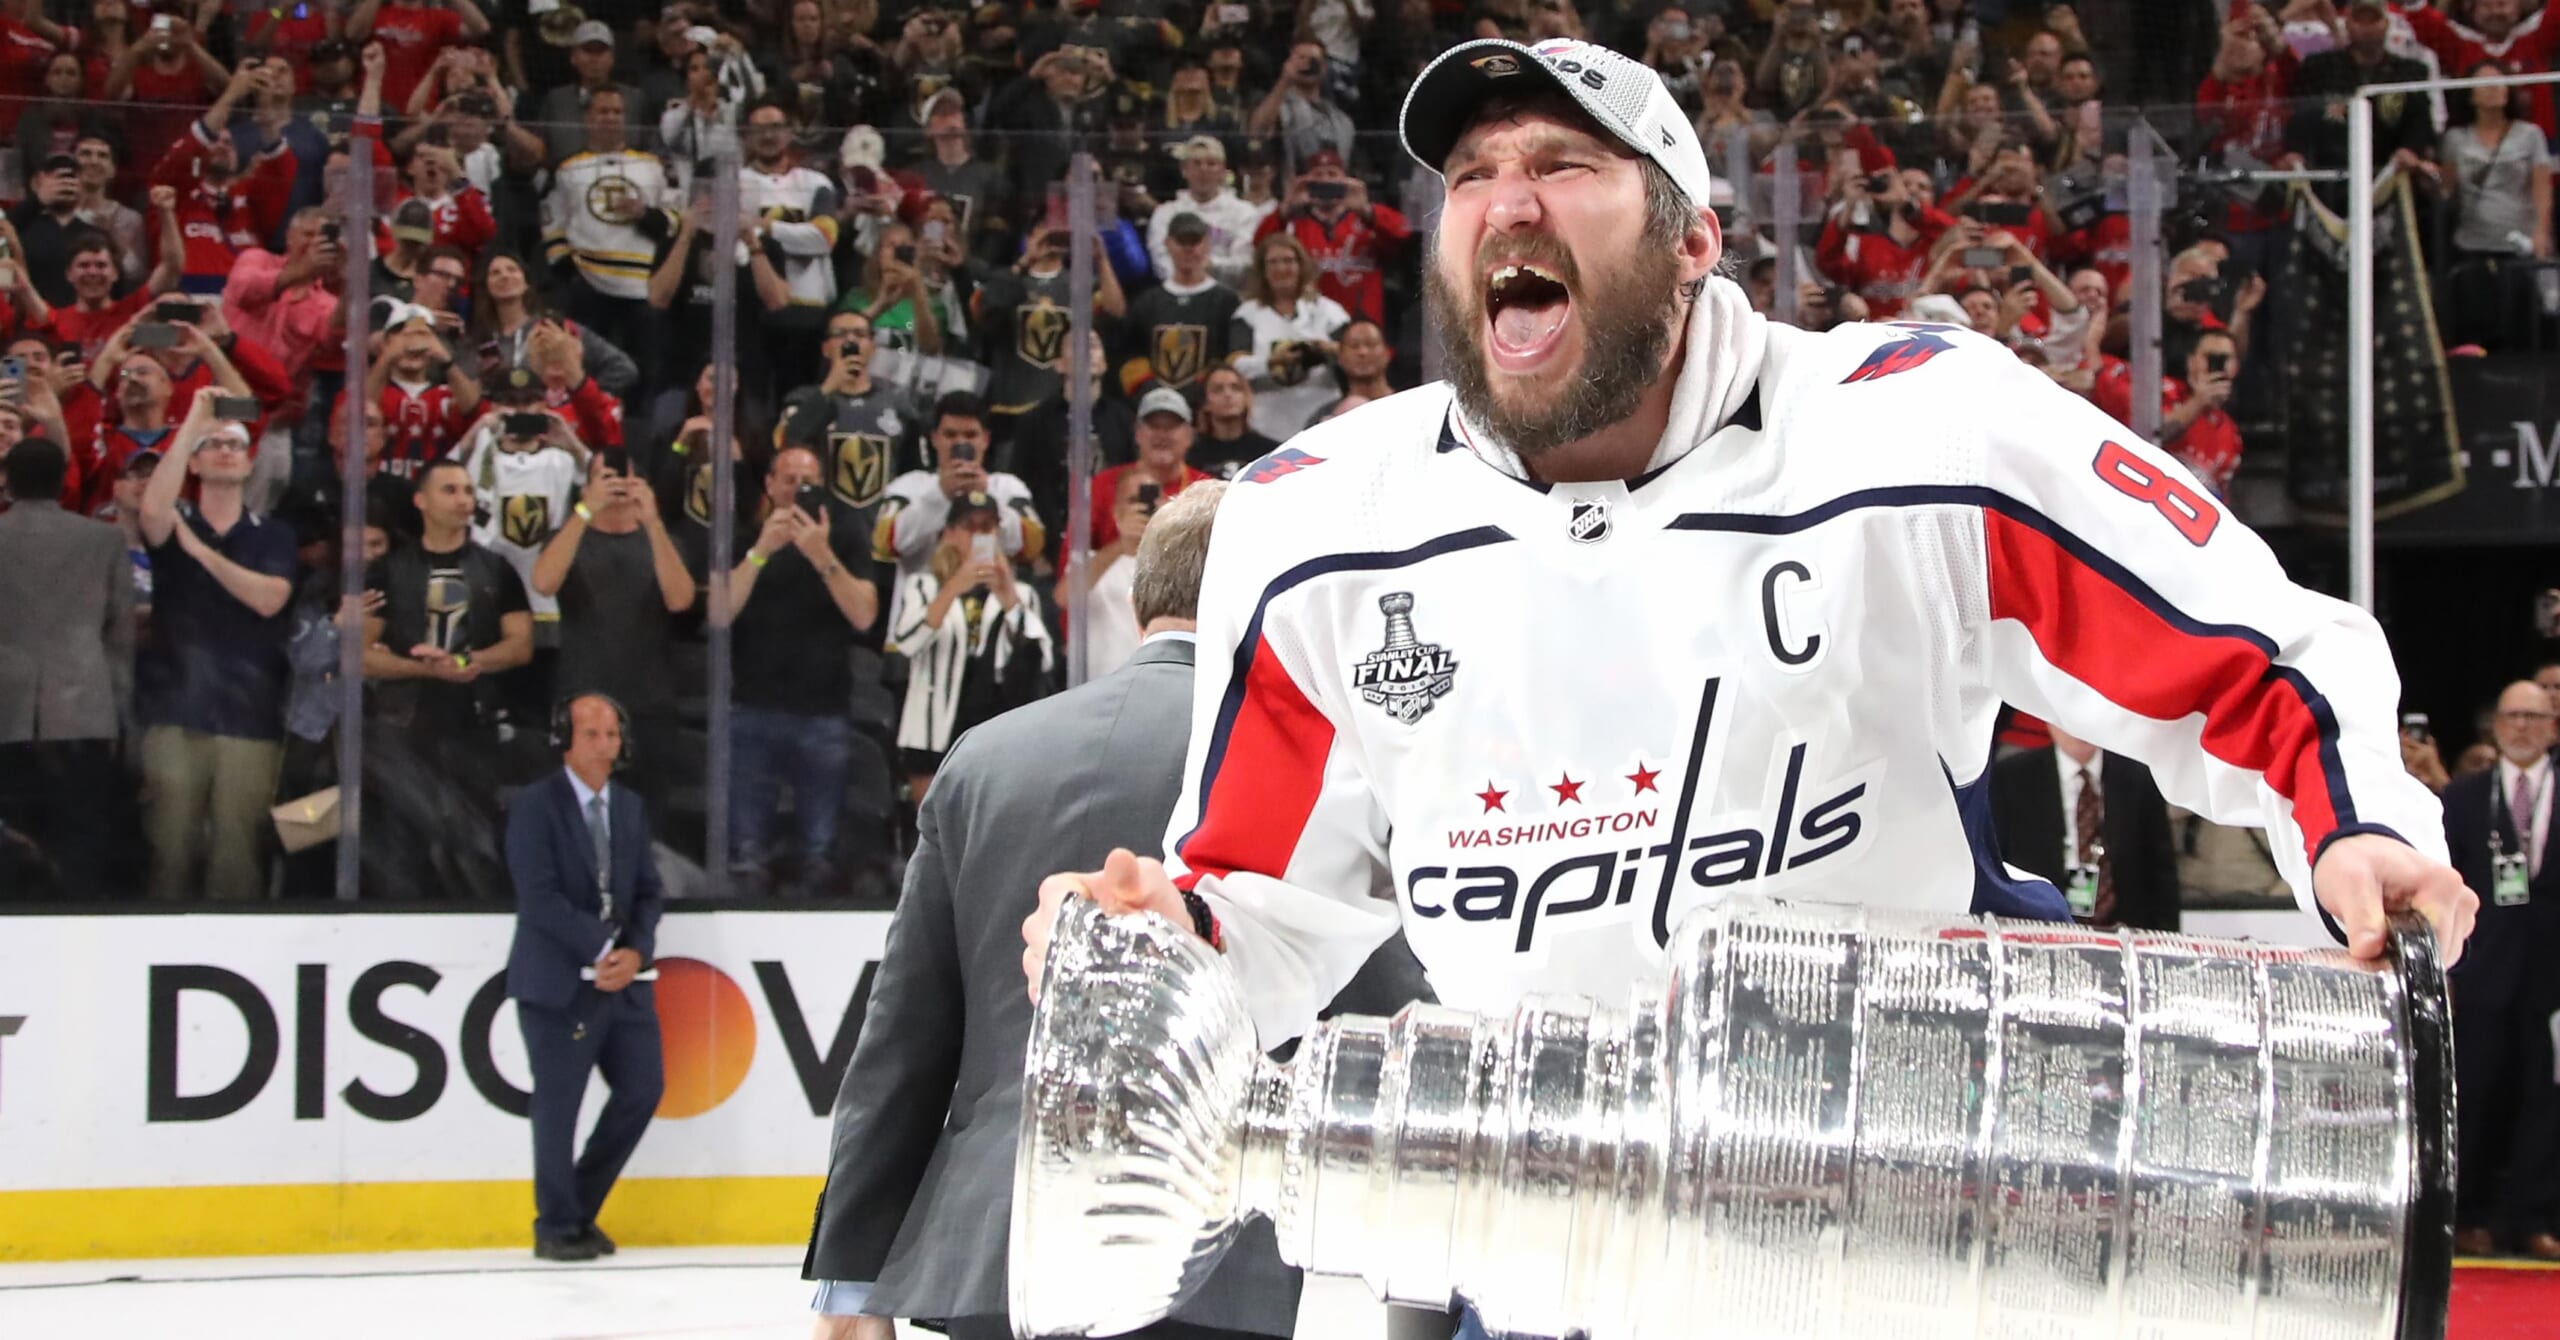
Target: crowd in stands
534,417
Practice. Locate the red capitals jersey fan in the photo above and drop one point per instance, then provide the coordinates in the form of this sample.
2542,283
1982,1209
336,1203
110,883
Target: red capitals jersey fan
1866,259
1348,251
218,222
420,423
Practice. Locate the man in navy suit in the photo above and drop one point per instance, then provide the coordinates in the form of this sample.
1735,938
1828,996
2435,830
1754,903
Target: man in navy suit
2498,827
587,902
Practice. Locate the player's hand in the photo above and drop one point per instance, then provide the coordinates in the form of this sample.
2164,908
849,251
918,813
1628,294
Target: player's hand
2361,879
1126,884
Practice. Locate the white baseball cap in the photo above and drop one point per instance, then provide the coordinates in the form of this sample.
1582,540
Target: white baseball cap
1164,400
1624,96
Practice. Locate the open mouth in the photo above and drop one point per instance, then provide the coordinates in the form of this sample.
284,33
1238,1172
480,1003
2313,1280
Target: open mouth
1527,308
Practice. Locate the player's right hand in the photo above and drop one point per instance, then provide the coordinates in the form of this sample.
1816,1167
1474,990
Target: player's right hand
1125,885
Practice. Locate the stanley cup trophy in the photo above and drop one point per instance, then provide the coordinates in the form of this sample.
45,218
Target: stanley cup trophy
1830,1122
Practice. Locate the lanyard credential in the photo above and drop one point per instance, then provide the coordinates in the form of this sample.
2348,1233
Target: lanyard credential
2511,873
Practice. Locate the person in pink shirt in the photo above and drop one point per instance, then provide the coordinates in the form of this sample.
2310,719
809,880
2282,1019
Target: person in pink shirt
289,302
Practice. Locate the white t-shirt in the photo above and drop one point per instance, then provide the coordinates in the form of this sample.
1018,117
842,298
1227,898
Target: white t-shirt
1112,636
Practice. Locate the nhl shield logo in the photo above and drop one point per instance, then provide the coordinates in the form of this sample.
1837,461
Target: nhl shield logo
1405,675
1590,522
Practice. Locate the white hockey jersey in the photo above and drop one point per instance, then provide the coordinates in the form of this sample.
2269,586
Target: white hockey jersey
579,218
1537,724
801,206
524,499
915,509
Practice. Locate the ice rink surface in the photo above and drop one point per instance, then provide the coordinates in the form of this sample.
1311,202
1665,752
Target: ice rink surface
656,1293
675,1293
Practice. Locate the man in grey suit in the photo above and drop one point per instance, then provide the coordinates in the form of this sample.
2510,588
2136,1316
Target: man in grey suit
66,671
920,1184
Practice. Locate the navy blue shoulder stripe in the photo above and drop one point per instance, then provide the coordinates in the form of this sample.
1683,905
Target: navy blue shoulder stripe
1996,890
1323,565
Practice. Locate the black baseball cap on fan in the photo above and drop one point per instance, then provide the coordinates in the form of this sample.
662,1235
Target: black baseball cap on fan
1624,97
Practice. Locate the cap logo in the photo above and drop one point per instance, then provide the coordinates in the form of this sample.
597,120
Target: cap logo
1496,65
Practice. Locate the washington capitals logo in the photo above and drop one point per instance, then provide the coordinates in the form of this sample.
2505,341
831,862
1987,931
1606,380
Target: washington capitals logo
1285,461
1904,354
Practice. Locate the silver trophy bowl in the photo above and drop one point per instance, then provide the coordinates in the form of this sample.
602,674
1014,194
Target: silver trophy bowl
1830,1122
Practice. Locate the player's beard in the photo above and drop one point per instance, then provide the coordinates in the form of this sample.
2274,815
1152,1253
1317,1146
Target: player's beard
1627,314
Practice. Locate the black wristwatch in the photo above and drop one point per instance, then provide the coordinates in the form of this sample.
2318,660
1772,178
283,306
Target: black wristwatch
1204,923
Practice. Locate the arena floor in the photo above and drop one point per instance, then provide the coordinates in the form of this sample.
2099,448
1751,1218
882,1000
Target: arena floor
668,1293
643,1293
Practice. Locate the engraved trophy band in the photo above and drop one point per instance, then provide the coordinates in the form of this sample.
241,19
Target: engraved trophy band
1830,1121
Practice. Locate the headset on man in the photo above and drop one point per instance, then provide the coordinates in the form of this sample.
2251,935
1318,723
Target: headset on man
562,729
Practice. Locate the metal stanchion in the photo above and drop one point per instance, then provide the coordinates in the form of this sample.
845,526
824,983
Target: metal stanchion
2144,201
1080,262
1426,193
355,299
2360,352
1737,176
1785,211
2360,580
724,513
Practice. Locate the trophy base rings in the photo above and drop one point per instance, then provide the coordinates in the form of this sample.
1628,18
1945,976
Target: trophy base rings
1829,1121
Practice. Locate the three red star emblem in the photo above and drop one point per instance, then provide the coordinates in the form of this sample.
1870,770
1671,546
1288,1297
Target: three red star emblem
1567,789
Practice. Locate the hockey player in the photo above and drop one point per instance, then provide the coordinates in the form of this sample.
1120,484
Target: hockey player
1655,601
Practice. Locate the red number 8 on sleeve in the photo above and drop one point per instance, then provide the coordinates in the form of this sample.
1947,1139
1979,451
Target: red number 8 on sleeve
2136,478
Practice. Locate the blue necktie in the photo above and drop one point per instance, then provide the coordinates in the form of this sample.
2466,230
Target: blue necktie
596,837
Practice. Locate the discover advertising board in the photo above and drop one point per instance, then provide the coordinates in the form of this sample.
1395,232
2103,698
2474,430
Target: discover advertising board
294,1083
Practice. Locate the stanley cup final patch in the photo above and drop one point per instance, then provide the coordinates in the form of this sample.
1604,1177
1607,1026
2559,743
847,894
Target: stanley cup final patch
1405,675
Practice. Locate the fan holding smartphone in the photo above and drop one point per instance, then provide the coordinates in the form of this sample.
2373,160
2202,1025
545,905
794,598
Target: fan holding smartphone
2196,428
797,598
973,636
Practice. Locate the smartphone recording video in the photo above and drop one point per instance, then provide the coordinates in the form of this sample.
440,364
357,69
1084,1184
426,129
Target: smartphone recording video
811,501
